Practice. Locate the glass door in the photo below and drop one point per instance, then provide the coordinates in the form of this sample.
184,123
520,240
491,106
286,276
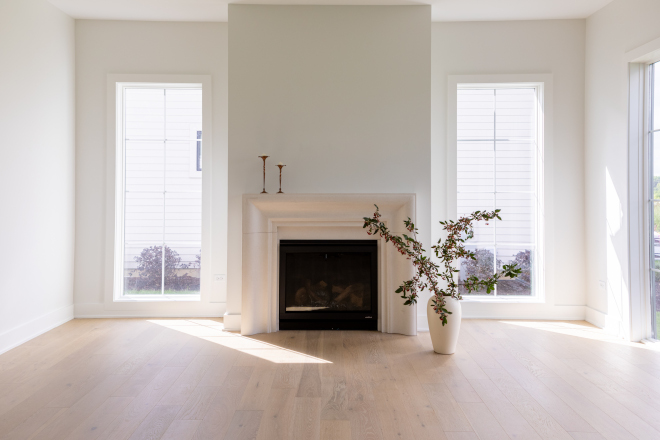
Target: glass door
654,192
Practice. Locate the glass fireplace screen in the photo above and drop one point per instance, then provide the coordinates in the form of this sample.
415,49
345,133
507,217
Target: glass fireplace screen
328,282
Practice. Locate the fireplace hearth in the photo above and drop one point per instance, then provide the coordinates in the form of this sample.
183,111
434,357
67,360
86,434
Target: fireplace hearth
328,284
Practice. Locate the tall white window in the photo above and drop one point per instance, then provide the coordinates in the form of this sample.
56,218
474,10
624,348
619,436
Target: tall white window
159,181
499,166
653,140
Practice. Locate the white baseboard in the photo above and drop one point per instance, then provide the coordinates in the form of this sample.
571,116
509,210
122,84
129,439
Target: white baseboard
596,317
560,313
97,310
31,329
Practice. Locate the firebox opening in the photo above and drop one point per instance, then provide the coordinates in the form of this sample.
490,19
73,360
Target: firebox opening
328,284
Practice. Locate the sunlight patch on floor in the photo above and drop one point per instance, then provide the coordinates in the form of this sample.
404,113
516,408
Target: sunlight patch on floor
213,331
581,330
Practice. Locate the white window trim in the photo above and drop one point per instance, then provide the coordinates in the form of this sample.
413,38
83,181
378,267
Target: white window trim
113,300
639,169
544,242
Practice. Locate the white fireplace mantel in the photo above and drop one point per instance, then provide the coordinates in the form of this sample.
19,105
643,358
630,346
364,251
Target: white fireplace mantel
268,218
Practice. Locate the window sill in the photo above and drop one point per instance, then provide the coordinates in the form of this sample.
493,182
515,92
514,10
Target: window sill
510,300
159,298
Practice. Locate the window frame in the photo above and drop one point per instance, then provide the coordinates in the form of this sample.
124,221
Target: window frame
637,313
543,85
116,181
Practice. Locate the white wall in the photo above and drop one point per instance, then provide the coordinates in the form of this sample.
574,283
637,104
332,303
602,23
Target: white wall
340,94
621,26
132,47
553,47
37,169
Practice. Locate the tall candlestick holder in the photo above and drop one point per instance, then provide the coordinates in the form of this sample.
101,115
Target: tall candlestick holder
280,166
264,159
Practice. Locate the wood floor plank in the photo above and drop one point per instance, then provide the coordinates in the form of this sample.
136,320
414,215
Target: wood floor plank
67,422
244,425
156,423
188,381
278,416
504,412
197,404
393,417
306,418
483,422
335,430
557,408
181,430
99,420
449,412
218,417
128,421
33,424
546,426
255,397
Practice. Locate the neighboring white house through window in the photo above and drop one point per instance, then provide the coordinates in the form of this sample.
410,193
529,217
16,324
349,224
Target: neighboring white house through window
499,166
161,188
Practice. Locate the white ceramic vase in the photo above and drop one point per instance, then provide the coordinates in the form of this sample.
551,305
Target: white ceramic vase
444,338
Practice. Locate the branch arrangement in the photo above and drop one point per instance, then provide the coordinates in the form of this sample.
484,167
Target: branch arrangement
427,273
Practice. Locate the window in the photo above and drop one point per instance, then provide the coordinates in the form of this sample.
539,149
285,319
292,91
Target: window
653,141
499,166
159,142
198,150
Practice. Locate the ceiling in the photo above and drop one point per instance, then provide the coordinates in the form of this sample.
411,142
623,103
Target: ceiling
216,10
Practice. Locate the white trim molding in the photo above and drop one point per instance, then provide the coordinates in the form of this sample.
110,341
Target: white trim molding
636,320
206,303
543,84
267,218
31,329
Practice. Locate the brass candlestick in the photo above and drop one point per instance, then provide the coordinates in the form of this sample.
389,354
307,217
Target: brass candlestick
264,159
280,166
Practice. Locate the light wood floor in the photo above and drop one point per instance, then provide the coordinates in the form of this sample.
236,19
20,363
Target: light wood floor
187,379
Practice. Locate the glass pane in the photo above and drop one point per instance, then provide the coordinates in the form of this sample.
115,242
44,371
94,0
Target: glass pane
475,117
655,302
181,167
655,148
144,166
143,218
484,232
518,218
144,114
482,267
182,268
183,217
184,110
515,114
656,96
143,269
516,166
327,281
656,235
523,257
475,167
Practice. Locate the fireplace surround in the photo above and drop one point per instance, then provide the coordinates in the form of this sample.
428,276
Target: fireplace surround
267,219
328,285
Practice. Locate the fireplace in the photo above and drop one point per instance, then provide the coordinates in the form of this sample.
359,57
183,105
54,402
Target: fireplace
328,284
